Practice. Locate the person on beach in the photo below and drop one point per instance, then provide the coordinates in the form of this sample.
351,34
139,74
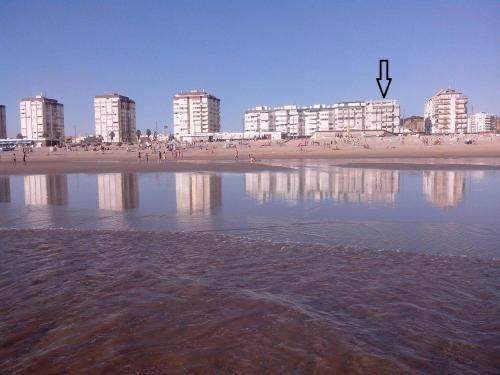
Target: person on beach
14,158
24,158
139,156
236,155
159,156
147,157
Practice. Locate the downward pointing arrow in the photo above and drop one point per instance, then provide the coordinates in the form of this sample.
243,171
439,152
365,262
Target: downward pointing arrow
383,83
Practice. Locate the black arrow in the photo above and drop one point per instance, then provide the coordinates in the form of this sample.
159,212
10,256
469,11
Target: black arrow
386,81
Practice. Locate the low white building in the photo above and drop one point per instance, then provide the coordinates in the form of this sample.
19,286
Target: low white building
114,116
482,122
259,119
446,113
289,120
382,115
349,116
42,119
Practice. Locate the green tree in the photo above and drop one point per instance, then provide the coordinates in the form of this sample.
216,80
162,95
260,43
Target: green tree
138,134
19,136
148,133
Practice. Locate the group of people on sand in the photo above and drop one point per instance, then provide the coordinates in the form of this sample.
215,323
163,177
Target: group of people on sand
162,155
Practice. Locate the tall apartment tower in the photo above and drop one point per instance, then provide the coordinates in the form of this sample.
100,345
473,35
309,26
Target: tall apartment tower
42,119
3,123
115,118
482,122
349,116
195,112
446,113
259,119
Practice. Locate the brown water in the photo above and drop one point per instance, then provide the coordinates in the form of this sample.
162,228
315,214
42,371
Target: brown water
127,302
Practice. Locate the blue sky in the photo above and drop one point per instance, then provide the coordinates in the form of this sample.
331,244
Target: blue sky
245,52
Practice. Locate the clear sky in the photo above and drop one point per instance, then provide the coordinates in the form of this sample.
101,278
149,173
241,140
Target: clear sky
247,53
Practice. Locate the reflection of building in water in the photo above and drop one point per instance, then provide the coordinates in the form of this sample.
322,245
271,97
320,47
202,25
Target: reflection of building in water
349,184
46,190
444,189
118,191
4,189
197,193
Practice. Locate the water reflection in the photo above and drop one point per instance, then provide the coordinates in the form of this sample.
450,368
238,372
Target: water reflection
118,191
444,189
197,194
4,189
46,190
343,184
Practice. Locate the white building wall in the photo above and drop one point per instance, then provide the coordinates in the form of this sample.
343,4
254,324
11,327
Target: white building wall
482,122
115,113
446,113
382,115
195,112
42,119
349,116
259,119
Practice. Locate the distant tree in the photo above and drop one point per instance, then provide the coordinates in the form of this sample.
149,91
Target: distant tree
148,133
155,135
112,135
100,138
138,135
19,136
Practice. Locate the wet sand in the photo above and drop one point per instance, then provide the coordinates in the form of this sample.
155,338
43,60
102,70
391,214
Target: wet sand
106,302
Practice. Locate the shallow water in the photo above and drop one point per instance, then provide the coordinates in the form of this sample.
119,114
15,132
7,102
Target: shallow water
139,302
319,270
448,212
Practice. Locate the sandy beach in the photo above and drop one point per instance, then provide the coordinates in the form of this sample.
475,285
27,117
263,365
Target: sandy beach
215,157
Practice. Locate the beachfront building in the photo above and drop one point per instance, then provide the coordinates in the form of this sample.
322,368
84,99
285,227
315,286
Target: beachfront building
114,116
349,116
413,124
42,120
259,119
195,112
382,115
318,117
446,113
3,123
482,122
289,119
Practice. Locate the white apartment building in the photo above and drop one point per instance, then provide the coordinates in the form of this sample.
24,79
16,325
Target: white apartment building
259,119
382,115
482,122
289,119
318,117
195,112
349,116
114,116
3,123
305,121
446,113
42,119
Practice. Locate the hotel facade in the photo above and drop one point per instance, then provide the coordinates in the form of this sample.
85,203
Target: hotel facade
195,112
294,121
3,123
446,113
482,122
42,119
114,116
